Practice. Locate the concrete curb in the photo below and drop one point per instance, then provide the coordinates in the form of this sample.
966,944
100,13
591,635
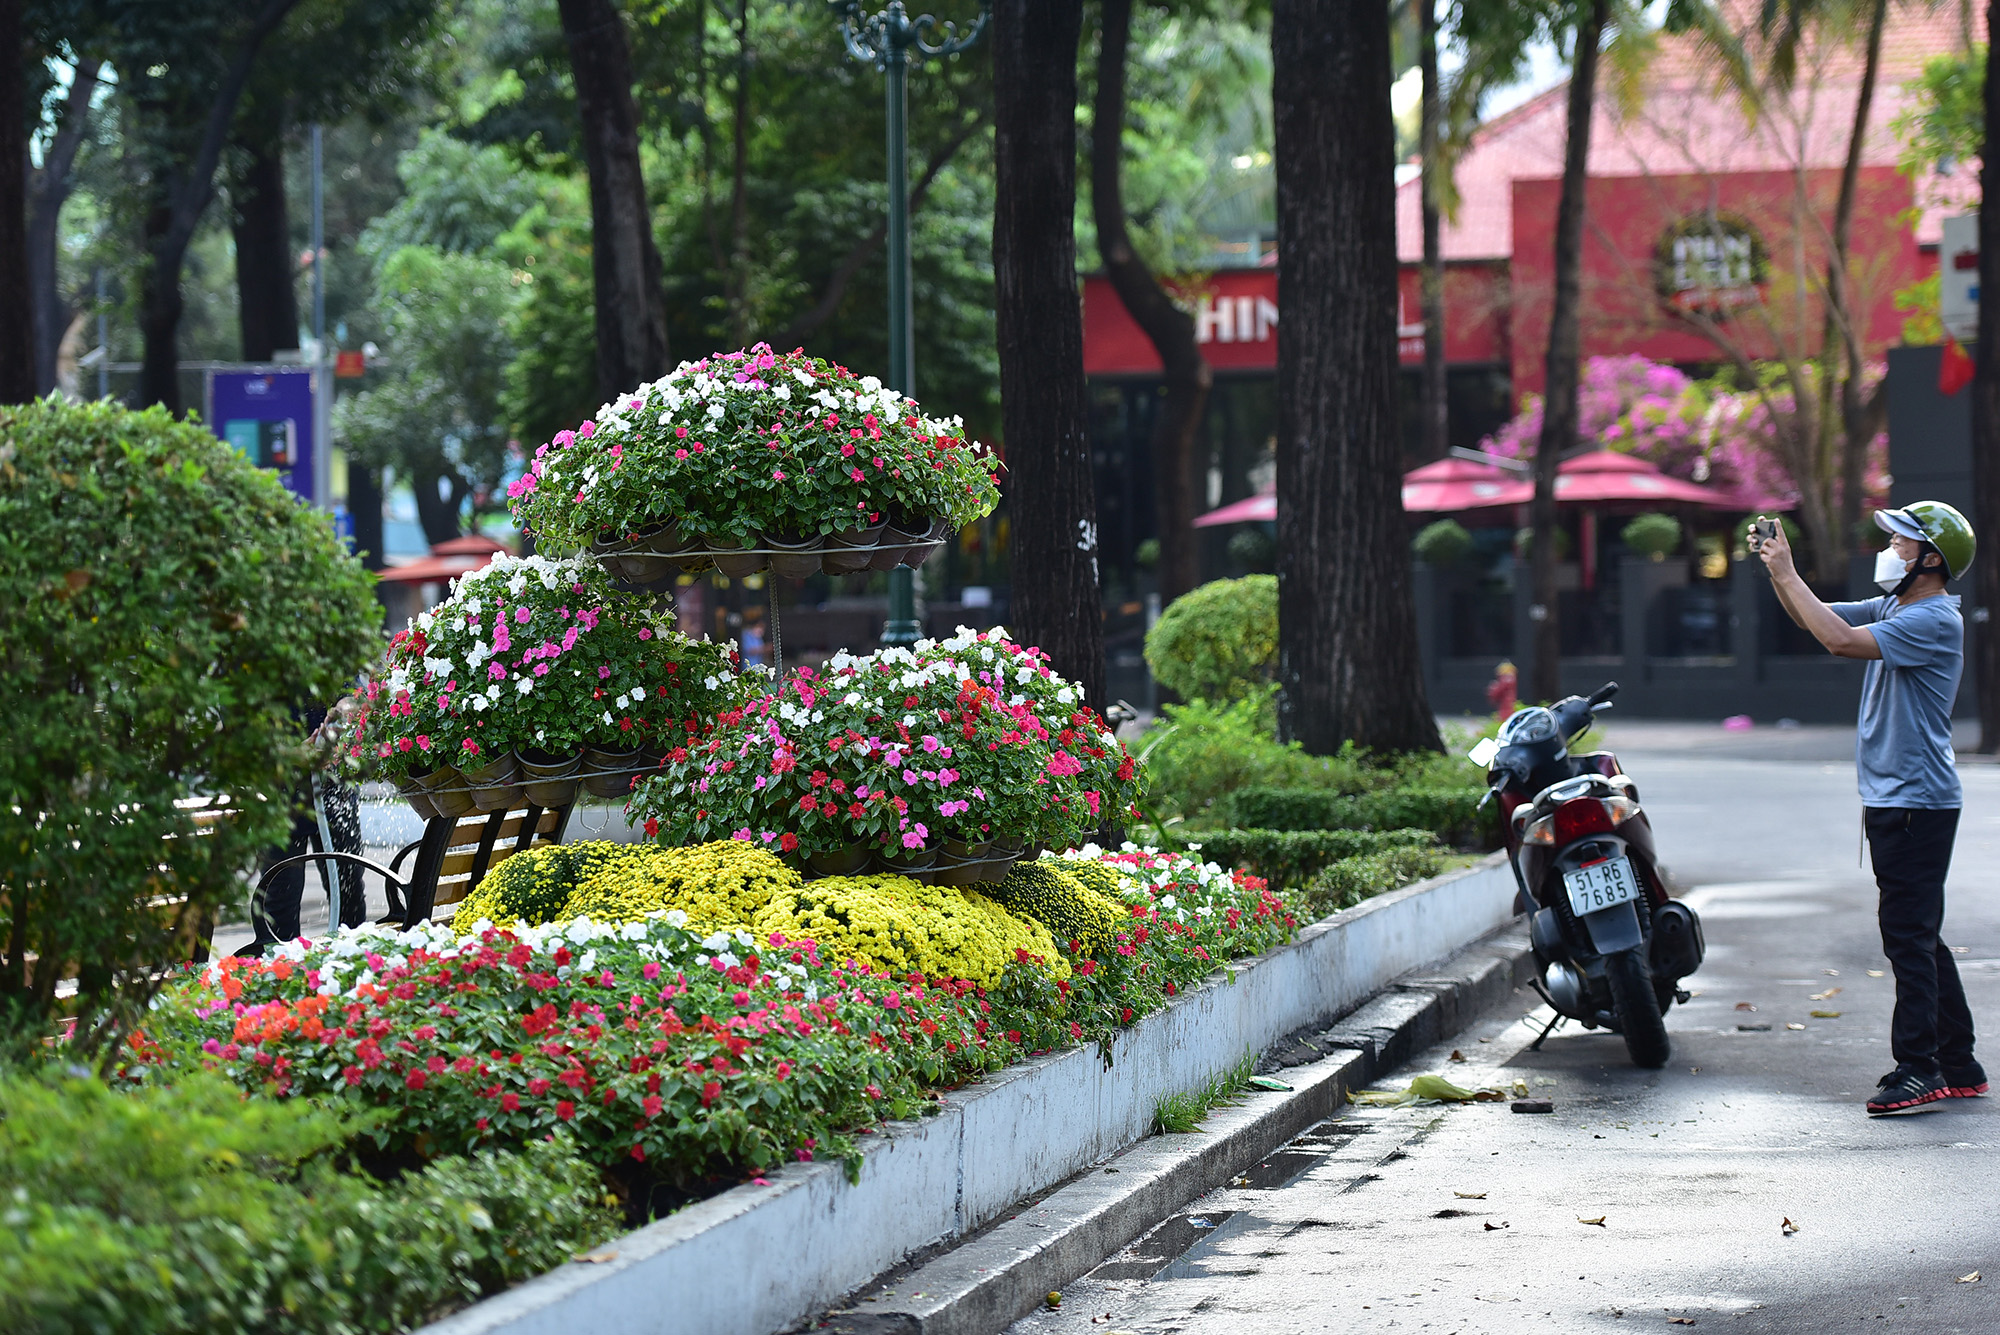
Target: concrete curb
984,1285
761,1258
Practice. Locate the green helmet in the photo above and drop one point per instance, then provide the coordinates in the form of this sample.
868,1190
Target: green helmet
1938,524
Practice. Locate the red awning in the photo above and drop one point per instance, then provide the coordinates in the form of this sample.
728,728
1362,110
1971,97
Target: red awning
448,560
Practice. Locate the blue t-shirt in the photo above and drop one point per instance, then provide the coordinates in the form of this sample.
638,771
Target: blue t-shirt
1902,754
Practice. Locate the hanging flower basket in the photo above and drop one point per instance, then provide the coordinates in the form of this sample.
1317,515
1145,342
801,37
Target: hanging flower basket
948,761
533,679
753,461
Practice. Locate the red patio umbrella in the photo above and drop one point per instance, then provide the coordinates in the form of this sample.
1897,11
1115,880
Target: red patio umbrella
1606,477
1453,484
447,561
1263,506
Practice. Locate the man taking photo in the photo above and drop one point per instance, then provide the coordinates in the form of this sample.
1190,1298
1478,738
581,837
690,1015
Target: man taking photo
1914,642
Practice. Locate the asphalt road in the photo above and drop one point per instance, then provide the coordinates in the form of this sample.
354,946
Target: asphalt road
1471,1218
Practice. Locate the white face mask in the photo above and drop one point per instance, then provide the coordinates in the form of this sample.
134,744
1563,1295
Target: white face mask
1889,569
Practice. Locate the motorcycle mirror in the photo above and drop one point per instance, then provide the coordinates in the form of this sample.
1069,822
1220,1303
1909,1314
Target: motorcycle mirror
1483,751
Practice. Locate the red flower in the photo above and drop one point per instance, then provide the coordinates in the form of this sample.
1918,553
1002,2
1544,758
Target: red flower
565,1110
710,1092
789,841
538,1087
415,1079
510,1102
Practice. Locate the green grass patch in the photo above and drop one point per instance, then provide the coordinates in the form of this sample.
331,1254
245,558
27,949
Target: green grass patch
1177,1114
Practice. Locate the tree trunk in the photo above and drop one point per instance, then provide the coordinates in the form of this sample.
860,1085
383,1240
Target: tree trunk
17,319
1986,416
1436,439
1348,662
267,301
364,502
49,189
1043,409
160,309
624,261
180,195
1170,328
438,513
1559,409
1841,316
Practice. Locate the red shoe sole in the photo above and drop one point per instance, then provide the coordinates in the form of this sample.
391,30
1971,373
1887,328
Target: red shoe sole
1909,1106
1965,1091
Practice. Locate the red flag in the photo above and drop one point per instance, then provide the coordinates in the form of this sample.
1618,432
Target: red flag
1954,369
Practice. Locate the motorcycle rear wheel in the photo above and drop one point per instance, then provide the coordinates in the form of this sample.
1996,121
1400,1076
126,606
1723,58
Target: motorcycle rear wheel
1637,1007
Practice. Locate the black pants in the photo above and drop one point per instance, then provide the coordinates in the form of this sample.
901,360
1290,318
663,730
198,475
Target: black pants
274,914
1911,850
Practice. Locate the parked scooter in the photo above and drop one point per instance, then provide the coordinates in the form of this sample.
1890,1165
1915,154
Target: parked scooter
1611,945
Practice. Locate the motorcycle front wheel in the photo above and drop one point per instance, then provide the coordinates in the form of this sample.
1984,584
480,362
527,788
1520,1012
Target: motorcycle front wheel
1637,1007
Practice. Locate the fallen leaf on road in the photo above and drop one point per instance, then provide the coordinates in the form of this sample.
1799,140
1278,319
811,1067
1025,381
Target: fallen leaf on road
1745,1006
1470,1195
1520,1089
1794,1026
1599,1221
1680,1321
1824,1015
1266,1082
1972,1278
595,1258
1456,1056
1823,996
1874,973
1961,950
1788,1228
1753,1028
1495,1228
1831,973
1427,1089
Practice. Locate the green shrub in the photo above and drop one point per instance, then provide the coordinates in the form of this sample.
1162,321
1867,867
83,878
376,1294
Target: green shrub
1451,813
1202,752
1050,892
1253,550
1345,883
1289,859
1654,535
1442,544
192,1209
1218,642
165,607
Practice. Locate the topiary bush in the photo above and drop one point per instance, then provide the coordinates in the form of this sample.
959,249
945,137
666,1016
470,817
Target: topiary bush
166,609
1442,544
898,926
1218,642
1654,535
718,885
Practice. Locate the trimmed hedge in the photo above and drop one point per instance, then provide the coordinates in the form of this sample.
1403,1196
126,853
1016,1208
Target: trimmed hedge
1290,859
1452,812
1351,880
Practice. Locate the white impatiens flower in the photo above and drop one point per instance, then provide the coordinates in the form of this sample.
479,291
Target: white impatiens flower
608,718
524,683
783,393
425,621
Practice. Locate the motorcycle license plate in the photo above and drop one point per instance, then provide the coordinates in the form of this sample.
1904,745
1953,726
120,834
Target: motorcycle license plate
1602,886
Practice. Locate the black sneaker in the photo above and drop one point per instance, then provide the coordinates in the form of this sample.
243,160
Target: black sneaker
1964,1082
1906,1090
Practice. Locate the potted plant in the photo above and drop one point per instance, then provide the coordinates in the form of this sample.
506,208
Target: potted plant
534,676
948,760
757,458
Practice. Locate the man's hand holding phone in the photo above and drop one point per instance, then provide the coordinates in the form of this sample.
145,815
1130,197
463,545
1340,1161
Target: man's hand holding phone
1767,539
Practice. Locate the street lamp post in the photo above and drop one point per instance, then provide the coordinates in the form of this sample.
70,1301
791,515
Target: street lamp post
887,40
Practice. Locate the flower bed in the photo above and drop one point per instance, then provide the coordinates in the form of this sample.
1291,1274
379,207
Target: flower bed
756,458
532,677
685,1056
943,761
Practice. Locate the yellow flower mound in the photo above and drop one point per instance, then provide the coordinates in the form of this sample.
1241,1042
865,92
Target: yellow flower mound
532,887
717,885
1104,877
1060,896
895,924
